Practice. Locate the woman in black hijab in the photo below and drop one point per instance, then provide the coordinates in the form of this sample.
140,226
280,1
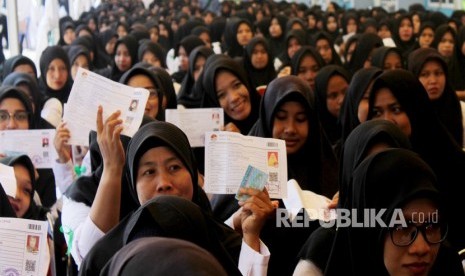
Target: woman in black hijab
277,34
21,64
124,58
29,85
431,69
79,56
331,26
67,34
403,36
361,57
359,145
324,44
305,64
331,84
237,35
175,207
387,58
258,63
166,85
179,257
55,78
183,50
295,39
397,95
354,109
152,53
390,180
311,161
226,86
187,96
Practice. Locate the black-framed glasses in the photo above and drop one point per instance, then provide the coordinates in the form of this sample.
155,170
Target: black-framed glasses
19,116
433,233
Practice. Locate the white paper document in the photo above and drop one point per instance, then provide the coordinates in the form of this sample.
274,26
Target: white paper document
228,154
91,90
195,122
23,247
315,205
35,143
8,180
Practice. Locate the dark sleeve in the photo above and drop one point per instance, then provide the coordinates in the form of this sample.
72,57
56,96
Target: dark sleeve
318,246
45,187
224,206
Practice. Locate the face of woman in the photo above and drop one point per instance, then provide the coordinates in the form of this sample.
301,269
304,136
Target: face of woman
275,28
25,68
308,68
57,74
13,115
384,32
291,124
293,46
244,34
121,31
405,30
22,200
446,45
433,78
69,36
123,58
392,61
386,107
362,110
198,66
183,59
335,92
151,59
426,38
161,172
151,108
80,61
323,47
418,257
331,24
233,95
110,46
351,26
259,58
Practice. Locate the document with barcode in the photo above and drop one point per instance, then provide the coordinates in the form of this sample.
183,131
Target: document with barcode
23,247
194,122
91,90
228,154
35,143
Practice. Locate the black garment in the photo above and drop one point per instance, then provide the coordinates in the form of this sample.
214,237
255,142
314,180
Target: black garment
379,56
302,39
232,46
277,44
131,43
189,43
10,64
335,59
166,85
75,51
447,106
48,55
6,211
215,64
386,180
167,216
314,167
258,77
348,117
179,257
460,82
297,60
330,123
406,47
154,48
187,96
431,140
65,24
365,45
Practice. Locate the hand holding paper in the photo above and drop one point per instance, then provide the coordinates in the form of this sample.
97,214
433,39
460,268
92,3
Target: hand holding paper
108,138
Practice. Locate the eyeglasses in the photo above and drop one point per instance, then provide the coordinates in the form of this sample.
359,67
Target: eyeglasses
20,116
153,93
433,233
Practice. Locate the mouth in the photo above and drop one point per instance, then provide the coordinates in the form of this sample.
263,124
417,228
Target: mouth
417,268
238,107
291,142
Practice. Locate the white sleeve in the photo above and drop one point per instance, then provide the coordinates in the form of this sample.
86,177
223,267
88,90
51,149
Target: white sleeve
76,217
64,174
306,267
253,263
52,111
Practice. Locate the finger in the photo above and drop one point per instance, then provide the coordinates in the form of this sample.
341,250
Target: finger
111,127
117,132
113,116
99,120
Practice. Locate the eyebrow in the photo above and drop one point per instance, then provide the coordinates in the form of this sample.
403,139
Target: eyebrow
151,163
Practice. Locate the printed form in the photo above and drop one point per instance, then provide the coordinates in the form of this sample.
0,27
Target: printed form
35,143
91,90
23,247
228,154
195,122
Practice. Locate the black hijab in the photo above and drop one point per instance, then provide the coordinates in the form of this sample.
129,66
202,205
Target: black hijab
180,257
348,118
8,91
301,54
328,121
166,85
302,39
406,47
447,107
365,45
6,211
131,43
258,77
233,48
277,44
10,65
379,56
48,55
215,64
154,48
75,51
65,24
189,43
430,139
186,95
335,59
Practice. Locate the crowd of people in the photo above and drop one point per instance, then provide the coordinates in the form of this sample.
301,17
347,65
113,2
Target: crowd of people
370,105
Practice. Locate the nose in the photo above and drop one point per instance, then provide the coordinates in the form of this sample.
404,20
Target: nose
234,97
388,116
419,246
12,123
164,184
290,127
